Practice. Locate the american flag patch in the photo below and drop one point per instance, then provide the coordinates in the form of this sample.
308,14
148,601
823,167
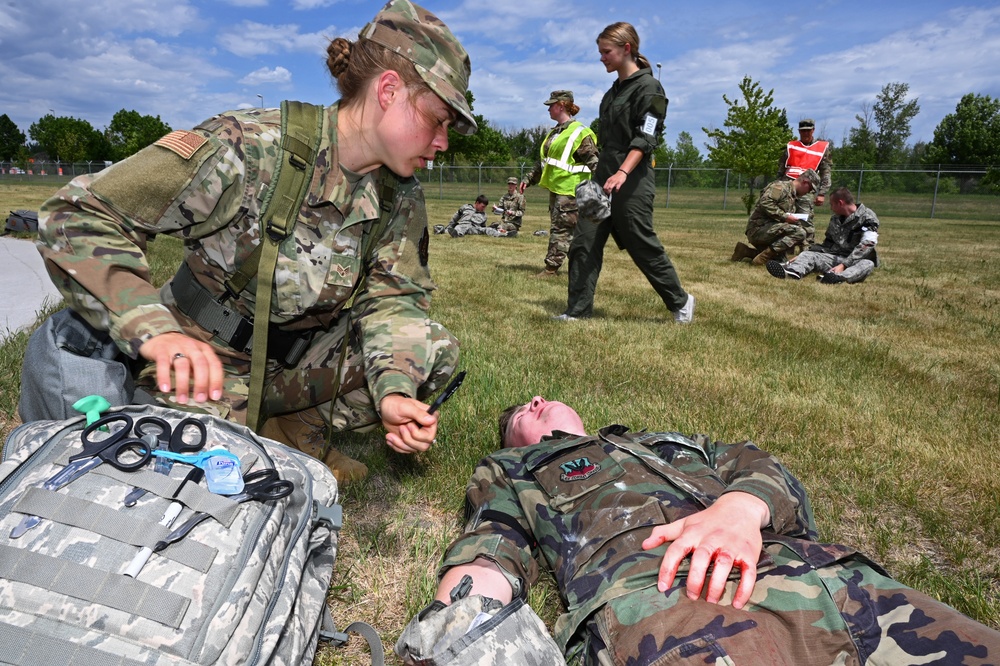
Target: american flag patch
183,142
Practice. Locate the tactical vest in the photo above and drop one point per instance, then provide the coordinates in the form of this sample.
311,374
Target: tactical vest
560,174
802,157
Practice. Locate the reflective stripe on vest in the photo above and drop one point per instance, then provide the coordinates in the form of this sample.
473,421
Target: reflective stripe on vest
802,157
559,174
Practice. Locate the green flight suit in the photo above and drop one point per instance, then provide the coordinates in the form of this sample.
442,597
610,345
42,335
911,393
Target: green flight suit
631,116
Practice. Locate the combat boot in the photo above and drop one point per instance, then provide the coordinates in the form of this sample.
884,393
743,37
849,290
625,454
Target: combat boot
767,255
743,251
306,431
547,273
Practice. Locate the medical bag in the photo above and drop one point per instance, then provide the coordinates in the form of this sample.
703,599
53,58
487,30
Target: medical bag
246,585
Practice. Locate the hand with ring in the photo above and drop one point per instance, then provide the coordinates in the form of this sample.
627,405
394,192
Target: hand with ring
195,365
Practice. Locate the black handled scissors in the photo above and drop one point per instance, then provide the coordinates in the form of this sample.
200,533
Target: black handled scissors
262,486
170,439
118,449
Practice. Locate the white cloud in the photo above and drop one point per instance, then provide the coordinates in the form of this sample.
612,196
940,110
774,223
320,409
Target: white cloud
277,75
249,38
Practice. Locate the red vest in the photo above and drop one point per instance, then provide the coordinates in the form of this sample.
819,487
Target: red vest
801,157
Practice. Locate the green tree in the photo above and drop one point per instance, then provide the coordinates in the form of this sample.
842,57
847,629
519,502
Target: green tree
130,132
524,143
11,138
757,133
970,136
68,139
892,116
858,147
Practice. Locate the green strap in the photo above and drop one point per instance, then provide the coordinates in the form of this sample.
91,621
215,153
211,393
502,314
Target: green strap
301,132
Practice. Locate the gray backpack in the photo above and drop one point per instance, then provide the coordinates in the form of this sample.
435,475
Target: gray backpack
246,586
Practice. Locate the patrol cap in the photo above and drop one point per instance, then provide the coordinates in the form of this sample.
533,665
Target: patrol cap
560,96
807,123
423,39
512,181
811,176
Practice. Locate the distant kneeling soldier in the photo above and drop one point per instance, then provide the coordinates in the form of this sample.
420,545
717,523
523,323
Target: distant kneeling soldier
774,228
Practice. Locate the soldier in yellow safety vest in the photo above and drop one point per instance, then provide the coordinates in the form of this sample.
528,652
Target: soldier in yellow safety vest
568,157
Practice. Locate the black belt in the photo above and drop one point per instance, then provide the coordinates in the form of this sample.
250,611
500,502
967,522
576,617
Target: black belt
229,326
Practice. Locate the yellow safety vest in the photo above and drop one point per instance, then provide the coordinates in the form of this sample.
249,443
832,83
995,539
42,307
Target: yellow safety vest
560,174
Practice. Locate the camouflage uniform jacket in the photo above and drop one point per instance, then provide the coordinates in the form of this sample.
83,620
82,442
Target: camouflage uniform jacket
587,153
467,214
208,192
512,206
853,237
581,506
776,202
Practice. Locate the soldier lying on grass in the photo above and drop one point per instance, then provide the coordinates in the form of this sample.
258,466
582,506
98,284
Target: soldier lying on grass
663,544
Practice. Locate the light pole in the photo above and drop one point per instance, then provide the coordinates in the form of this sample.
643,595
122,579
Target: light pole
261,100
658,71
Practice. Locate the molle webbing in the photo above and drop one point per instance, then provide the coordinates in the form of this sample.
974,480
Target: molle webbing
107,588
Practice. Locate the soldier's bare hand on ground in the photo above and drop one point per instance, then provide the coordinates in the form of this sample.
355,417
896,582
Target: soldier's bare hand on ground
723,536
185,356
409,428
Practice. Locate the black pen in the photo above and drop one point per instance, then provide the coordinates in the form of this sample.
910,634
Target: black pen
448,391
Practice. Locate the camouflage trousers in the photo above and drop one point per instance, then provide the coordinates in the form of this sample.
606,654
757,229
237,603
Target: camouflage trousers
310,383
563,214
474,230
846,614
780,237
821,262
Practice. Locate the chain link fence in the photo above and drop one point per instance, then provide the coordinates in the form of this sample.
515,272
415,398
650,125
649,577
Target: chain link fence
905,192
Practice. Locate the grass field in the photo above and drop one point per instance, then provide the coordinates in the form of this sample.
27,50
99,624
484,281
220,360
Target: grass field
884,397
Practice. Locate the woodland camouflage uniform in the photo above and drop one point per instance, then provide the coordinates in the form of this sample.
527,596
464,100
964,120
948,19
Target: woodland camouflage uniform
580,508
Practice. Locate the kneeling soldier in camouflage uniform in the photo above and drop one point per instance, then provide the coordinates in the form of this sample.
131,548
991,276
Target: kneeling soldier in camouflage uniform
772,228
614,518
353,345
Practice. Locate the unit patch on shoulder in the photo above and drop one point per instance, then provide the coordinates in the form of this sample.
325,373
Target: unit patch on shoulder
578,470
183,142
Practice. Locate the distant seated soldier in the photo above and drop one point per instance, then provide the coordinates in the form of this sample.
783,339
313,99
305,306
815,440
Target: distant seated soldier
773,228
847,254
470,219
510,209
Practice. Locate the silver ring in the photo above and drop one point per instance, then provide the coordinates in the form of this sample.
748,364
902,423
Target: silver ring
179,355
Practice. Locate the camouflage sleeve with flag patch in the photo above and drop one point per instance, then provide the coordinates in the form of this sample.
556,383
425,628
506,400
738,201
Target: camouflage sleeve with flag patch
94,231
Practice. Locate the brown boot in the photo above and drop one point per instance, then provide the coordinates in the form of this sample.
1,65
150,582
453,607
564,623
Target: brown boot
306,431
547,273
743,251
767,255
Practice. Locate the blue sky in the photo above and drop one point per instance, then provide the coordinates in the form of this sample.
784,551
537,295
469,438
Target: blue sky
186,60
